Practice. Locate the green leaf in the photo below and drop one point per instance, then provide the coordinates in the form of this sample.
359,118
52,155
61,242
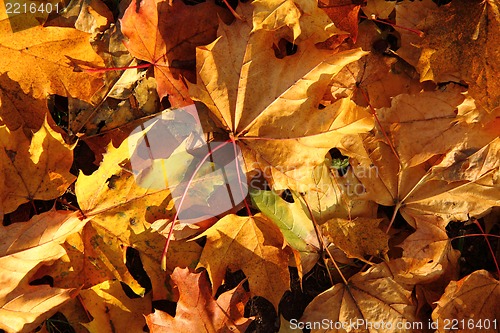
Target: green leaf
293,221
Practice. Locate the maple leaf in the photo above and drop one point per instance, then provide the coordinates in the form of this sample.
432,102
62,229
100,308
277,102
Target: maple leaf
42,60
19,109
335,196
411,19
375,78
264,98
24,247
254,245
302,17
358,237
112,310
439,165
454,51
372,296
121,209
295,224
379,8
99,254
473,299
427,254
198,311
36,170
158,34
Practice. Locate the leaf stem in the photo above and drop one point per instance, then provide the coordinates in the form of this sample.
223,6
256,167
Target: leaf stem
108,69
235,14
176,216
322,243
394,25
396,209
237,162
476,222
374,113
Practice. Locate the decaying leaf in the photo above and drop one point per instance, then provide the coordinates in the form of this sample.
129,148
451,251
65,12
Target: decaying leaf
369,297
473,300
358,238
197,310
454,51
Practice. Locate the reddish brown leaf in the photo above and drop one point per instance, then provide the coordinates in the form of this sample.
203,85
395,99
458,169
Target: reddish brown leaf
157,32
197,311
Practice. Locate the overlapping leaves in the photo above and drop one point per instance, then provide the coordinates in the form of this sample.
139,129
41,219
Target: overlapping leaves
266,81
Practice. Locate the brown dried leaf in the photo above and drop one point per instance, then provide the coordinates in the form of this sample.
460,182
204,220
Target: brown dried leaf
33,170
252,244
442,167
460,43
264,98
473,301
358,238
158,34
371,297
111,309
197,311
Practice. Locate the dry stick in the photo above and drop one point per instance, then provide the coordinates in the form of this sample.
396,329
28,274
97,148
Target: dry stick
322,243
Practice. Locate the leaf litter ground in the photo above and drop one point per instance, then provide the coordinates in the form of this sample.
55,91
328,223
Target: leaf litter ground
138,272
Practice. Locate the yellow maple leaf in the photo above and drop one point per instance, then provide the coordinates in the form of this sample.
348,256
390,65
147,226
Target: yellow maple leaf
24,247
252,244
36,170
271,106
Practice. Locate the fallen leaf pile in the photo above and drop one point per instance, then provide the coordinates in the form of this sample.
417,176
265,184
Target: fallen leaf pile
262,146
